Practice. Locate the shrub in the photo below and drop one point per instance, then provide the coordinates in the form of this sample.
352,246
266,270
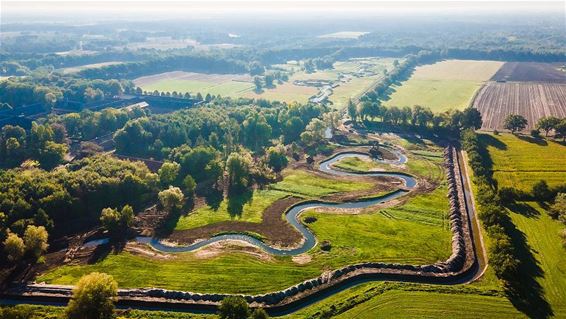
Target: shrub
234,307
93,297
35,240
14,247
535,133
325,245
310,219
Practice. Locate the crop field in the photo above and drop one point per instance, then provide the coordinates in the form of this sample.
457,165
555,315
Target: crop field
76,69
531,72
520,161
444,85
532,100
223,84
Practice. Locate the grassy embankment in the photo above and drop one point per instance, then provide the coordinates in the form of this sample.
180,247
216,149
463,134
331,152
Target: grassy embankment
444,85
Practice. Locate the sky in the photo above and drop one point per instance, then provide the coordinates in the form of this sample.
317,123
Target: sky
15,10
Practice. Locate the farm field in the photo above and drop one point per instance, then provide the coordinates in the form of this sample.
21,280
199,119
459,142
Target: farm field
531,72
532,100
223,84
543,241
241,85
414,232
520,161
444,85
76,69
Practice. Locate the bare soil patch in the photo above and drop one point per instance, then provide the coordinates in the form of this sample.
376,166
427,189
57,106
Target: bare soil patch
531,71
532,100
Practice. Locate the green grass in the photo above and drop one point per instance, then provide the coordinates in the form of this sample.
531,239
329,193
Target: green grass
419,304
301,183
228,88
444,85
252,210
542,235
377,237
438,95
520,163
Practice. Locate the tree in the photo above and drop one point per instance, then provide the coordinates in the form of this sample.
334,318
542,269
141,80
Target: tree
117,222
276,158
189,186
14,247
93,297
560,129
234,307
171,199
168,173
471,118
257,83
352,111
35,240
238,167
314,132
332,120
257,131
558,208
514,123
547,123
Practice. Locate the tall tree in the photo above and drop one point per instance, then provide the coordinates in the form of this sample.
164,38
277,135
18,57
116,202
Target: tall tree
514,123
93,297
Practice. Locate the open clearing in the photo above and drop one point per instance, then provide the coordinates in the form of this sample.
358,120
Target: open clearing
223,84
531,72
444,85
532,100
522,161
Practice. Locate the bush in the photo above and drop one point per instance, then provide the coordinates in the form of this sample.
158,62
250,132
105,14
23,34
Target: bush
14,247
535,133
325,245
310,219
35,240
234,307
93,297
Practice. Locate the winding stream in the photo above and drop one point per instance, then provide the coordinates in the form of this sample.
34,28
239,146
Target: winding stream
293,213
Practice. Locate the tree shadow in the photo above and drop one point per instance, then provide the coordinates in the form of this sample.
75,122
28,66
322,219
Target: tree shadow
523,209
213,198
525,292
490,140
236,202
539,141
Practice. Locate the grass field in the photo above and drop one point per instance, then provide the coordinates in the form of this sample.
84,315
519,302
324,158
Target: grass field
296,182
444,85
542,236
223,84
520,162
